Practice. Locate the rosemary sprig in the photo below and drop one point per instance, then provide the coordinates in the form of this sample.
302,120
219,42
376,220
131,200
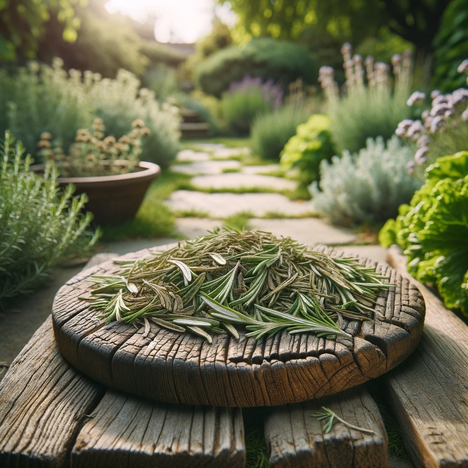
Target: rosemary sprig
331,417
229,280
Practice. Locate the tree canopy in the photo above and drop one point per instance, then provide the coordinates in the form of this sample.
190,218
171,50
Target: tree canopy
22,24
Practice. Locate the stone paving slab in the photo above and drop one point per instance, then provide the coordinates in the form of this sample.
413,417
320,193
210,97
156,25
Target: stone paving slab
205,167
190,155
221,205
308,231
209,146
229,152
239,180
260,169
195,227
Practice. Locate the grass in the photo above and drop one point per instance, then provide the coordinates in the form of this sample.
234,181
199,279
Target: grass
256,449
229,170
239,220
396,446
229,142
279,215
191,214
154,219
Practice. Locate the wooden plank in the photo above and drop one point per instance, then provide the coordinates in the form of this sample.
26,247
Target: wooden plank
429,392
43,402
129,431
295,437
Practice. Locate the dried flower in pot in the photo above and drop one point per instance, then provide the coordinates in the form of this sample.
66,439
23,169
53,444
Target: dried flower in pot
106,169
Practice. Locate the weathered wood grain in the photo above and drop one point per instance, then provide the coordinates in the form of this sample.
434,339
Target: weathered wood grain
295,437
129,431
43,402
429,392
175,368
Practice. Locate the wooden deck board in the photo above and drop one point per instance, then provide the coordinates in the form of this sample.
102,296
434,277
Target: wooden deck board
429,392
295,437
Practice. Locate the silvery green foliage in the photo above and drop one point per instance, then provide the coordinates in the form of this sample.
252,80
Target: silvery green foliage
365,187
40,98
120,101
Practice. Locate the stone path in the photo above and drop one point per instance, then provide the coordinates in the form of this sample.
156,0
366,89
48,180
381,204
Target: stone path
242,188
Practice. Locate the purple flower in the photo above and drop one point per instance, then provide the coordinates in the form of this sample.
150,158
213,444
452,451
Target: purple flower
271,93
439,109
416,97
423,140
436,123
464,116
406,123
415,129
435,93
463,67
420,155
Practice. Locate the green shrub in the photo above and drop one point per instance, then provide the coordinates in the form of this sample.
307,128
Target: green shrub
368,187
271,131
373,106
40,225
240,109
433,230
281,61
311,144
362,116
121,101
451,47
48,99
41,99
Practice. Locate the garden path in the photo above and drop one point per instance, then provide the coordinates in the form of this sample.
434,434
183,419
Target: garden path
227,182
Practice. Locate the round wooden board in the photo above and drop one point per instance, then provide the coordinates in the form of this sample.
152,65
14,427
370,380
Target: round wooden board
183,368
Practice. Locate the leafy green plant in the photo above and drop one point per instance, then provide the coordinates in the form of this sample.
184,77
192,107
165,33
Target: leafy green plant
227,279
365,187
282,61
94,154
311,144
433,230
271,131
373,106
40,225
42,99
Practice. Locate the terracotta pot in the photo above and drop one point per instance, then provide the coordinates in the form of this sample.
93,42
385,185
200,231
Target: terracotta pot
115,197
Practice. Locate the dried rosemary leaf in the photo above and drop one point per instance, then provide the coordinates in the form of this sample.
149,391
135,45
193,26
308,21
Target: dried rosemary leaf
228,280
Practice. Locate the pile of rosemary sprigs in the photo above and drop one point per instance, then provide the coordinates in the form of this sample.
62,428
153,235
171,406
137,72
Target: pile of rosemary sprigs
230,279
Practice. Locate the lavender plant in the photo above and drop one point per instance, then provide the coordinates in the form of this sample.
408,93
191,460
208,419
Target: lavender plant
40,224
94,154
442,130
247,99
374,103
